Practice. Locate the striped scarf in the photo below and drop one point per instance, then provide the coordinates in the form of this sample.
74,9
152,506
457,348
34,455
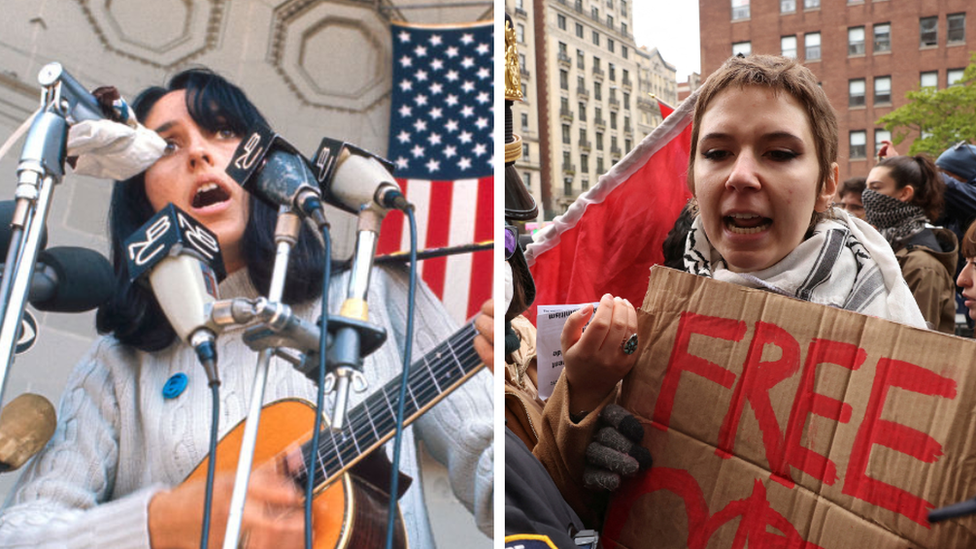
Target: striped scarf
845,263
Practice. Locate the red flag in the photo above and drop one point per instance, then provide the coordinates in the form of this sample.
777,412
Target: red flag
611,235
665,108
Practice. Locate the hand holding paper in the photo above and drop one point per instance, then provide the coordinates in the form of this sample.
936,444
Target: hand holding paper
595,359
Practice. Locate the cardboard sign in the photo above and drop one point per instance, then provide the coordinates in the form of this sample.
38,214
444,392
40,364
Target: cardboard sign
775,422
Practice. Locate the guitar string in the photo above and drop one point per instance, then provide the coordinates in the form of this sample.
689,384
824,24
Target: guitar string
365,427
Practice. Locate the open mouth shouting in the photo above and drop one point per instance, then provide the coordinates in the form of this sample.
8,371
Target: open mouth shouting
209,194
746,223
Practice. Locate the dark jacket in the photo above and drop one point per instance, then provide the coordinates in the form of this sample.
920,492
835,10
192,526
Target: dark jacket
928,262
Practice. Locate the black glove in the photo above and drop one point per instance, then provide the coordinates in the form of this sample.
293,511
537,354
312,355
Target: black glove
615,451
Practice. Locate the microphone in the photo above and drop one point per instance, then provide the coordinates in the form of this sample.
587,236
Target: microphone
7,209
353,178
26,424
180,259
78,103
270,168
68,279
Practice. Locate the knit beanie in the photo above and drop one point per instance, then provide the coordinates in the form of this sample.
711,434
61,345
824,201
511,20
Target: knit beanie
959,160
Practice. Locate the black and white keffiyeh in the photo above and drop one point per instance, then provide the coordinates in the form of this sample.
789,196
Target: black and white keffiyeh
845,263
897,221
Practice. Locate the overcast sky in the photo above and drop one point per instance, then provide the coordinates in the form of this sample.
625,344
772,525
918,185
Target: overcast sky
671,26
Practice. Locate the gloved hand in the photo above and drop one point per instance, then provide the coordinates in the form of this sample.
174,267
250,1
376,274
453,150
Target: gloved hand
615,452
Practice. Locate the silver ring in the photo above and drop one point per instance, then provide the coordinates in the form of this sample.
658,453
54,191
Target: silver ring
629,345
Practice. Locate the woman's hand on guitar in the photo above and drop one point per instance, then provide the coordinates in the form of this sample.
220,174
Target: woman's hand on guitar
273,514
595,357
484,341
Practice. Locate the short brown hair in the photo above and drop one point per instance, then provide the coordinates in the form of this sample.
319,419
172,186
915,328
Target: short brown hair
853,185
778,74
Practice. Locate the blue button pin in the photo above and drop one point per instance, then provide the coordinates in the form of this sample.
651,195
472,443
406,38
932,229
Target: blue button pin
175,385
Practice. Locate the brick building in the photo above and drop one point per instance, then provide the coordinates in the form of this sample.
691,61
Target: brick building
866,53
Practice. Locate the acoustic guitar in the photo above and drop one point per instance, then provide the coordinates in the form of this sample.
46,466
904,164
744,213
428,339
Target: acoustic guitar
349,512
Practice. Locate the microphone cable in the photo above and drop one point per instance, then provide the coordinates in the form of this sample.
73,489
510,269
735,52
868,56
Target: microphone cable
320,396
407,349
209,362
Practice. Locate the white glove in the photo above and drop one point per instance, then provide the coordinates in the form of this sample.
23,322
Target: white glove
113,150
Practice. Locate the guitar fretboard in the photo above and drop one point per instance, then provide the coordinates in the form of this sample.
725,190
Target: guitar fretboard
374,420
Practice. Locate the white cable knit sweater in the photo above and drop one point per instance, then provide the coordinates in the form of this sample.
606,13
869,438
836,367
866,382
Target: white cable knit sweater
119,440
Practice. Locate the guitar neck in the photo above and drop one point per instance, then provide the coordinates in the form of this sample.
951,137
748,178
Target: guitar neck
373,422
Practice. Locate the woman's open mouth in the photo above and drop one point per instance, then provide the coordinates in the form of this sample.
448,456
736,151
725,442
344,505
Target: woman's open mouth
746,223
208,195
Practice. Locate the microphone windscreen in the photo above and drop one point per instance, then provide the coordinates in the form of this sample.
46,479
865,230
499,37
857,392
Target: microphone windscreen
84,279
26,424
6,216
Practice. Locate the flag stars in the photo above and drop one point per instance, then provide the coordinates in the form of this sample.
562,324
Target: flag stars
481,123
406,111
405,61
467,39
483,98
467,62
436,88
420,100
402,163
465,137
433,165
420,125
420,75
468,86
434,139
436,113
406,85
452,52
482,49
483,73
436,40
451,76
480,149
451,126
420,51
450,151
467,111
404,36
403,136
417,151
464,163
436,64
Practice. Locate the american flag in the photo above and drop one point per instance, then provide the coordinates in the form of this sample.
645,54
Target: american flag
441,145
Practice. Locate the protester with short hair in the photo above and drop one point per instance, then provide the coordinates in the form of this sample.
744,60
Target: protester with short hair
849,195
763,169
904,194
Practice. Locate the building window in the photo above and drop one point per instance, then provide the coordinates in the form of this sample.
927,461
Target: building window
740,9
612,71
627,100
879,136
580,60
580,84
522,63
613,144
599,142
582,136
598,91
929,79
595,13
563,80
855,92
743,48
623,8
599,165
855,41
928,28
882,37
579,30
561,21
811,44
954,77
520,33
788,46
527,179
611,45
525,151
596,38
858,145
613,121
623,28
584,163
567,181
525,91
598,117
787,6
582,111
625,52
566,138
627,145
584,184
525,121
811,4
609,20
956,24
563,50
519,4
882,90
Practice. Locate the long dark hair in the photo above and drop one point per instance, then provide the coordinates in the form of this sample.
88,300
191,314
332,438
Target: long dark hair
133,315
920,172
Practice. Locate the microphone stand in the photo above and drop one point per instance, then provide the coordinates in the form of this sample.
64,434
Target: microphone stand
41,168
286,235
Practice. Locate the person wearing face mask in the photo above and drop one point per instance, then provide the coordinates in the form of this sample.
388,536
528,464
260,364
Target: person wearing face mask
763,170
113,474
903,195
